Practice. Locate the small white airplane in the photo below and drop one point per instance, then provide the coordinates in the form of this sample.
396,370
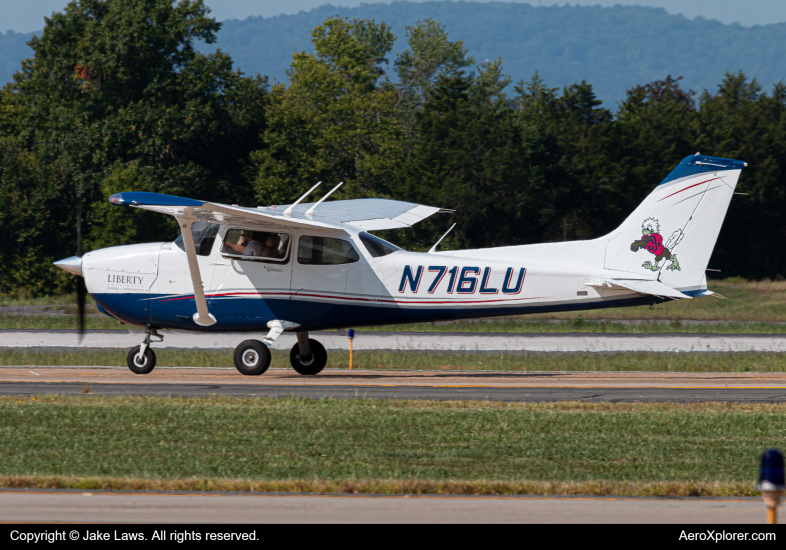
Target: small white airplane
315,266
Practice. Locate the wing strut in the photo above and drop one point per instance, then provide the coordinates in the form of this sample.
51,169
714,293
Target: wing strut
202,317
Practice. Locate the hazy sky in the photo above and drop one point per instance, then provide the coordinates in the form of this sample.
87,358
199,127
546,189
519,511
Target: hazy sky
28,15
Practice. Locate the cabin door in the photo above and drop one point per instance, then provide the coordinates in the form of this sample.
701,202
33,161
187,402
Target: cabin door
250,283
319,280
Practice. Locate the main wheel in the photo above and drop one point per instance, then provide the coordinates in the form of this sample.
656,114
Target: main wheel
141,365
313,364
252,357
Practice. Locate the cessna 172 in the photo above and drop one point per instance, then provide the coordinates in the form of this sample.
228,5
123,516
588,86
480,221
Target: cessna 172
306,267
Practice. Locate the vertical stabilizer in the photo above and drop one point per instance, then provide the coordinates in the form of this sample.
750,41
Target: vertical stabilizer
672,233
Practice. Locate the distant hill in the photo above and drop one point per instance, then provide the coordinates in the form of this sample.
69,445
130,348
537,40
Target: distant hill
612,48
13,49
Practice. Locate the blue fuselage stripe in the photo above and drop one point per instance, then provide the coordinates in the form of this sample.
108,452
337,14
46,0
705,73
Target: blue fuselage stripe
253,314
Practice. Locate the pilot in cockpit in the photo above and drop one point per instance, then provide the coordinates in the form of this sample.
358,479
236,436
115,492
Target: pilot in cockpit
247,245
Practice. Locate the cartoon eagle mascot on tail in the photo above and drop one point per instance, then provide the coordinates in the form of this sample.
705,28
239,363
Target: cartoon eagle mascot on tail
653,242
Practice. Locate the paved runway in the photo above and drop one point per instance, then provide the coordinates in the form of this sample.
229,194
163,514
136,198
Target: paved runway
139,507
578,342
436,385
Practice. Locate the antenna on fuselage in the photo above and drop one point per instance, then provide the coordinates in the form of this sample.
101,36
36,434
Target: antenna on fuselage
310,211
434,248
288,211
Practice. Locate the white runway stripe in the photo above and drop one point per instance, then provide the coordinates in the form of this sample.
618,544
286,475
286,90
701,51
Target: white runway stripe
417,341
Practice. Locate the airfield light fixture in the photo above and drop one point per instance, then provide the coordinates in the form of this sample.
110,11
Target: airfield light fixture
351,337
771,482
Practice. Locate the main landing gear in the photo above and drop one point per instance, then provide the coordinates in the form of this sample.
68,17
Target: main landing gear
308,357
142,359
252,357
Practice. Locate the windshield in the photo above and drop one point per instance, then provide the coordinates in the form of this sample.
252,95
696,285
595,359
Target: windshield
204,236
377,247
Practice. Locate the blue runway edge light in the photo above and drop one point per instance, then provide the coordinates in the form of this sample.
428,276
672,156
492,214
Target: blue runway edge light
771,475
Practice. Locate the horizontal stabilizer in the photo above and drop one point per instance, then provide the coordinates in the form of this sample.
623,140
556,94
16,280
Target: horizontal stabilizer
653,288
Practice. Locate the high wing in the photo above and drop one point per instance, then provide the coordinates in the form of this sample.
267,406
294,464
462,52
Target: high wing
363,214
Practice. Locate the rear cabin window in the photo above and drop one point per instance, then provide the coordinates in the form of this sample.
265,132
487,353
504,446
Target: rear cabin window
248,244
377,247
325,251
204,236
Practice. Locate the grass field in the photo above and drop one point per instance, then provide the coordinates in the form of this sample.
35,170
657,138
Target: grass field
385,446
414,360
752,307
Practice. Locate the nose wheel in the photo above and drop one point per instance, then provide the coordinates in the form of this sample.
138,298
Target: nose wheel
141,363
142,359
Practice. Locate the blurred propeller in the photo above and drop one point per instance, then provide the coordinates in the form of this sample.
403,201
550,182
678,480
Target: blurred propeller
81,289
74,265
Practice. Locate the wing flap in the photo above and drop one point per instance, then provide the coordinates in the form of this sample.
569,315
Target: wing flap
378,224
653,288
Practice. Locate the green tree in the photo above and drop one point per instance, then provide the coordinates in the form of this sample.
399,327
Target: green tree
741,122
334,121
467,157
655,129
117,98
567,138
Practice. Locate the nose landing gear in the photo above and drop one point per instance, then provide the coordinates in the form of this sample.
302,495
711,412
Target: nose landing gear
142,359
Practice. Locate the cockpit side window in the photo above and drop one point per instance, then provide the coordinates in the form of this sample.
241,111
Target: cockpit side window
377,247
204,236
255,245
325,251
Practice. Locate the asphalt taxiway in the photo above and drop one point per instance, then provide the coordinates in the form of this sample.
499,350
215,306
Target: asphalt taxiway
446,341
388,384
144,507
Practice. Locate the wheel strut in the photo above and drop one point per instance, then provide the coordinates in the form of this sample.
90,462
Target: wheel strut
149,332
303,344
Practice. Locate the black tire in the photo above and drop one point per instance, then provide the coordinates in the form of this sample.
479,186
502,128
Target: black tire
312,365
141,368
252,358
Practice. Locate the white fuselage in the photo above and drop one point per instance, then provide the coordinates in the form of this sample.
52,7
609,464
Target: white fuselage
150,284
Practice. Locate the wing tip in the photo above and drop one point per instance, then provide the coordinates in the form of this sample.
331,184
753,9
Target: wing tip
145,198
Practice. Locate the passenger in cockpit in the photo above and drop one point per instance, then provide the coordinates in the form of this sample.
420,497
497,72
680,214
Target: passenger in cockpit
272,245
247,245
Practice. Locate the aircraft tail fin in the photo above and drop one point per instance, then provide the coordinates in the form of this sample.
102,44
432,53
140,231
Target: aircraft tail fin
673,232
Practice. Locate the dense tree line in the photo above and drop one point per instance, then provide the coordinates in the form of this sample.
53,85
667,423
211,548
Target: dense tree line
117,98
